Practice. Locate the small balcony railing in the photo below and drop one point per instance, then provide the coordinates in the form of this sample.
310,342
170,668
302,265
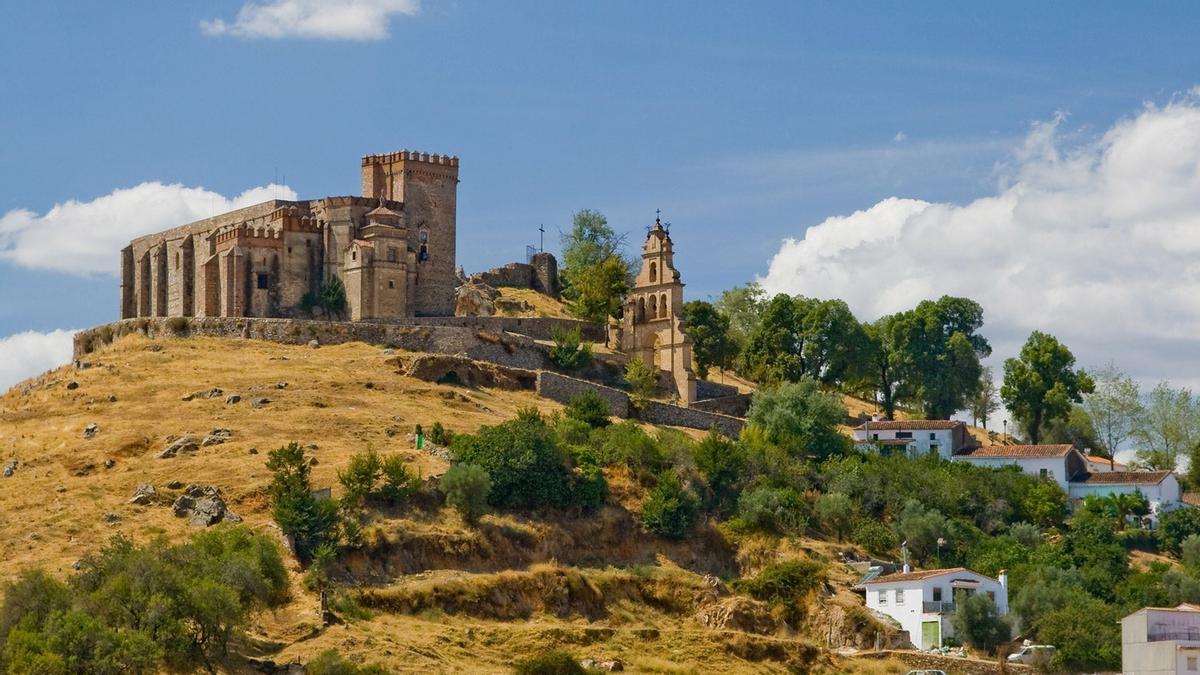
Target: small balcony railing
1181,635
937,607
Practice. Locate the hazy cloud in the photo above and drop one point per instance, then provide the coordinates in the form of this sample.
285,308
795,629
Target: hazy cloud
31,353
1096,241
86,238
322,19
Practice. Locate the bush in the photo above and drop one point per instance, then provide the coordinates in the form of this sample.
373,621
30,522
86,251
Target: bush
589,407
467,488
626,444
399,483
142,609
359,478
1087,633
330,662
1175,526
722,463
977,622
875,537
835,514
642,380
569,352
590,488
1026,534
801,418
1189,550
523,460
438,435
550,663
670,509
771,509
308,521
786,586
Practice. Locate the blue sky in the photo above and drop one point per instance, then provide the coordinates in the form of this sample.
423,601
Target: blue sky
745,123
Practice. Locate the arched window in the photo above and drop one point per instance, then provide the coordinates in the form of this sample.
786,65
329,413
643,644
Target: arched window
641,311
654,306
354,255
662,308
653,273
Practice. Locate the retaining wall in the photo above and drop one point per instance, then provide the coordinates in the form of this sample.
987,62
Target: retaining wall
736,405
562,389
673,415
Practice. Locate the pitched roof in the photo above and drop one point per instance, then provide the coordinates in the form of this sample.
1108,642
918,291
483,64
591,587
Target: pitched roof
922,574
1123,477
916,425
1097,459
1017,451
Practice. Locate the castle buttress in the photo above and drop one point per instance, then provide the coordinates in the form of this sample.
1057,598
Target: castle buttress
393,248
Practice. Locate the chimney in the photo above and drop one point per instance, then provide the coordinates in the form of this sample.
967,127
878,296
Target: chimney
904,552
874,417
1003,579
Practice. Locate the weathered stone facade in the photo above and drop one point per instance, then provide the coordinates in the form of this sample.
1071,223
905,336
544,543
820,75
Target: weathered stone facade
540,274
393,248
652,329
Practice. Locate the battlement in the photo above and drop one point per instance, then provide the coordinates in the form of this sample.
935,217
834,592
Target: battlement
291,219
249,234
410,156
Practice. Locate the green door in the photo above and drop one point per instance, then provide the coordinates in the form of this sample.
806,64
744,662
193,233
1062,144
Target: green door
931,632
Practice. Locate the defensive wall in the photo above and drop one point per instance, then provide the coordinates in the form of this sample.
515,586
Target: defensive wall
539,274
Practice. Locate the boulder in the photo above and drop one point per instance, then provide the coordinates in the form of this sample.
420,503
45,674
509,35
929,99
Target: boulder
475,299
203,505
112,518
233,398
110,463
259,402
314,344
206,393
184,444
216,437
72,385
90,430
10,468
144,495
281,385
175,485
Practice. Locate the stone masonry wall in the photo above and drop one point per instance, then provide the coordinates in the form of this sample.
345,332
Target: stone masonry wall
736,405
671,415
562,389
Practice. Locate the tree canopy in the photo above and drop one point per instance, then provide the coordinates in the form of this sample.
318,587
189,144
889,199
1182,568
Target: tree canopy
1041,384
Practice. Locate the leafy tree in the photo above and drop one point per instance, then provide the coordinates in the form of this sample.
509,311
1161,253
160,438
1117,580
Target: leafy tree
835,513
773,352
744,307
589,242
1026,534
984,402
399,482
1115,408
1175,526
1087,633
467,489
771,509
439,435
712,342
799,337
569,352
589,407
330,298
670,509
1044,503
522,458
590,487
1119,506
882,365
360,476
1171,426
642,379
1040,385
600,289
801,418
938,350
876,537
978,623
1045,589
627,444
722,463
1189,551
1075,429
921,528
308,521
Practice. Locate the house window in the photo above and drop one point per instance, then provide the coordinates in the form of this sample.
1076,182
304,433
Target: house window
899,597
881,597
263,278
1191,663
875,436
653,273
992,596
933,448
933,437
391,283
354,255
903,434
937,593
1043,473
392,254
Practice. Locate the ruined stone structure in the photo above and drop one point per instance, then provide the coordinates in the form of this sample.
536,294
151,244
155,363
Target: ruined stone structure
393,248
652,328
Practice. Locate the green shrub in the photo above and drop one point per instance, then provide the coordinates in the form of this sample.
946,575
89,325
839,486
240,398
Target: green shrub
786,585
572,431
589,407
977,622
801,418
723,464
522,458
438,435
627,444
569,352
1175,526
875,537
399,482
308,521
330,662
642,380
835,513
670,509
1189,551
550,663
359,478
467,488
590,488
771,509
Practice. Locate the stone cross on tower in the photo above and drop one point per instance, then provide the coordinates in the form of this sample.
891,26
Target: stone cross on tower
653,328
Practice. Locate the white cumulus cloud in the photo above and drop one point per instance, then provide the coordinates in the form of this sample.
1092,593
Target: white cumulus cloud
323,19
1096,241
31,353
86,238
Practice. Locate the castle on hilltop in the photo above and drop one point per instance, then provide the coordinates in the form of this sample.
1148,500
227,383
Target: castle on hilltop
393,248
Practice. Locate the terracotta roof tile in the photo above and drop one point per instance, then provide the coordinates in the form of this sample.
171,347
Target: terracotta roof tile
916,425
1190,498
917,576
1123,478
1017,451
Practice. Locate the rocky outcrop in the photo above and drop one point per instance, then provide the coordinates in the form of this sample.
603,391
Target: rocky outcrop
465,371
144,495
203,505
183,444
475,299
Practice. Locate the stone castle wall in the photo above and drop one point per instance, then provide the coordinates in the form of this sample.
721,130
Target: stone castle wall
540,274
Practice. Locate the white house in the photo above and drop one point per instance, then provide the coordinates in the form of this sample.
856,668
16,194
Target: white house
1160,488
923,601
1059,463
914,437
1158,641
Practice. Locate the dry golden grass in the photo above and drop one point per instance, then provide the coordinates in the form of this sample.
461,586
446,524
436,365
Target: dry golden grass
342,398
542,305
